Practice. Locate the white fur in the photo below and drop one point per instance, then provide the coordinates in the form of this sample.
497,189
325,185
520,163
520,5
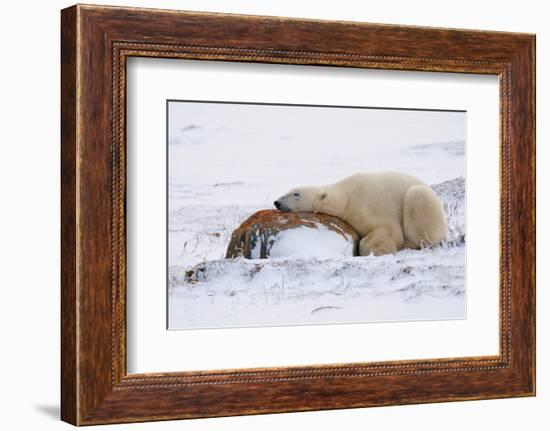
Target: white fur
389,210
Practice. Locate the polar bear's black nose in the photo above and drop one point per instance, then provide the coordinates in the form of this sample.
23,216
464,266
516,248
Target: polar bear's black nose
277,204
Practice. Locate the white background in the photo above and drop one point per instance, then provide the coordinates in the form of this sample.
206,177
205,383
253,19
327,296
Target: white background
152,349
29,217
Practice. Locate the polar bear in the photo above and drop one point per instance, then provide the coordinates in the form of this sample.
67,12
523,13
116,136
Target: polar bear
389,210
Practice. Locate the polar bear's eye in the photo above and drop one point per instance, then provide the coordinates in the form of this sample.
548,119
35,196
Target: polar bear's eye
296,195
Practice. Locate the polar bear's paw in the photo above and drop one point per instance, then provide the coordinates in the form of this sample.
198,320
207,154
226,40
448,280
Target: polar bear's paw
379,242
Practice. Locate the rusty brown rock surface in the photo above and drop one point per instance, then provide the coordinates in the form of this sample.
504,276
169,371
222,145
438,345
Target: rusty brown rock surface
261,228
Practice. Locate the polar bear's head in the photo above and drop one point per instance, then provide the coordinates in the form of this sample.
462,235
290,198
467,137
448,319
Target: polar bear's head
303,199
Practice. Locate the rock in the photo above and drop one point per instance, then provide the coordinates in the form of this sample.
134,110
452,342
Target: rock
289,233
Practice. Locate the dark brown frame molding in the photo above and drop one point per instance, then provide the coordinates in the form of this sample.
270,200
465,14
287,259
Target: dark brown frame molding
95,43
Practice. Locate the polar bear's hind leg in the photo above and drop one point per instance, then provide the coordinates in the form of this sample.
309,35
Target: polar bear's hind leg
424,220
380,241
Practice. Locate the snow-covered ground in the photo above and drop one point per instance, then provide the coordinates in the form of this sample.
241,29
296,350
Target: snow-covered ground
228,161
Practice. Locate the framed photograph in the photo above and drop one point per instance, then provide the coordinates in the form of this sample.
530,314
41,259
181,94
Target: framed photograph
264,214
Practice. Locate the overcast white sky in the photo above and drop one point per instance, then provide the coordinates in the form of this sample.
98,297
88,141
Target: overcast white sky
292,138
321,125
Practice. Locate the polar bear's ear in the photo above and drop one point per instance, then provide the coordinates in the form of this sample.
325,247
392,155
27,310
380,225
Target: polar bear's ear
323,196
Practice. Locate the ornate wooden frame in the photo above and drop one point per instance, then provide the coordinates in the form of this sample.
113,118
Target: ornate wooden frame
95,43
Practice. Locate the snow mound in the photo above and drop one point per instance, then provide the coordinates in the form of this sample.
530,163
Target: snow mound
453,195
316,241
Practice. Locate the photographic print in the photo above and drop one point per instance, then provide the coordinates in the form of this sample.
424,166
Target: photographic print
285,214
